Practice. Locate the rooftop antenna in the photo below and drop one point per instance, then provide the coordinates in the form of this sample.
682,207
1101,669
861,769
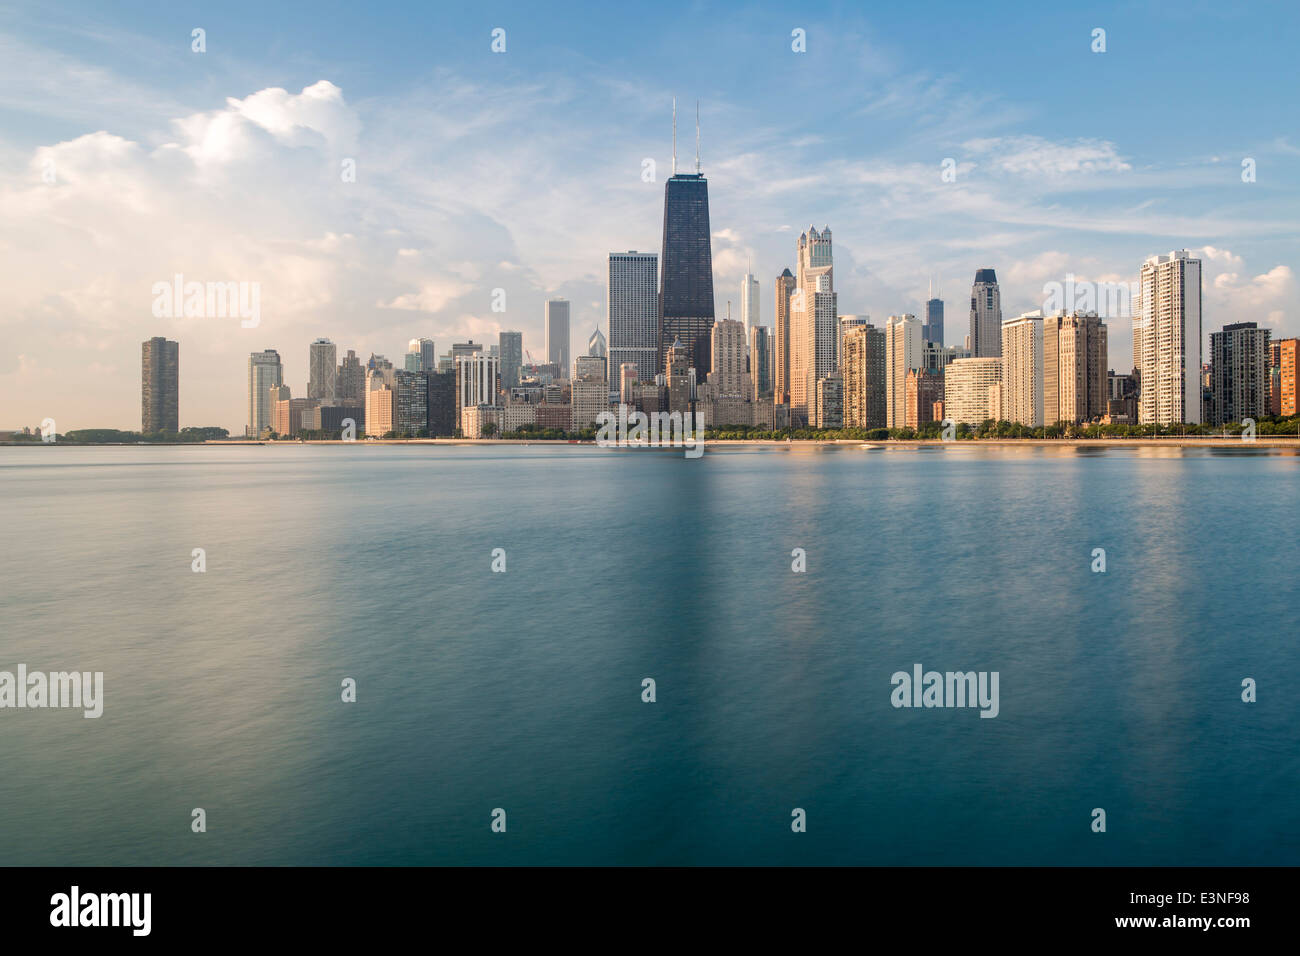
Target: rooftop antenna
674,136
697,137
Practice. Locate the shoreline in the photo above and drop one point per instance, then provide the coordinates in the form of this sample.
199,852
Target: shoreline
1190,441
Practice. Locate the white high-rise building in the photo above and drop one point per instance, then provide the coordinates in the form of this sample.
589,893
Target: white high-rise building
749,304
264,371
1022,369
1167,339
903,353
633,302
972,390
557,334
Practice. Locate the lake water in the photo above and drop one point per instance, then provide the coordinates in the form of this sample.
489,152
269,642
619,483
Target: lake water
479,690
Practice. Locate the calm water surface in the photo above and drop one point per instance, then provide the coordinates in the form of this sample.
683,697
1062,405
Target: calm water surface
523,690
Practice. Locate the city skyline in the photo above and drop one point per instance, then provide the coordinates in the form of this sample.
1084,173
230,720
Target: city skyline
417,244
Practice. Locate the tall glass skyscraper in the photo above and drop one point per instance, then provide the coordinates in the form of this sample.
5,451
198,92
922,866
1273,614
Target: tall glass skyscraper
932,327
686,277
633,297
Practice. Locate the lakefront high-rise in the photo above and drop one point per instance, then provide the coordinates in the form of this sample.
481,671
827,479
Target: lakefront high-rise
985,315
686,264
159,385
633,316
1167,339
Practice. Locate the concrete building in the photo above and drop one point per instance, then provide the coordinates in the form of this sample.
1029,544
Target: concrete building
924,392
1167,339
160,370
1287,399
381,408
727,350
587,400
903,353
589,368
351,382
814,336
1239,363
864,378
828,405
1075,368
477,377
679,382
785,288
972,390
1022,370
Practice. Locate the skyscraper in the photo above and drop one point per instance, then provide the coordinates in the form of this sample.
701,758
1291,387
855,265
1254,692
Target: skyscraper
847,323
678,377
814,253
985,315
969,389
1239,363
160,363
410,403
749,314
1022,369
1167,337
760,367
863,367
814,341
476,381
932,327
727,350
903,353
421,355
1287,401
264,371
633,312
351,385
596,344
557,334
1075,368
322,370
785,286
511,348
686,270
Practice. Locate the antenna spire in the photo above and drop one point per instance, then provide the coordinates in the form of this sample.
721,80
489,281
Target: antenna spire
674,136
697,137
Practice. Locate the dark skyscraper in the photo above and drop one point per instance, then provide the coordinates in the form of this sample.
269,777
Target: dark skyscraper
932,327
985,316
160,362
686,277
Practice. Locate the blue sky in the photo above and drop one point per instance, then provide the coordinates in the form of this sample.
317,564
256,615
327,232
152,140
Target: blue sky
521,170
